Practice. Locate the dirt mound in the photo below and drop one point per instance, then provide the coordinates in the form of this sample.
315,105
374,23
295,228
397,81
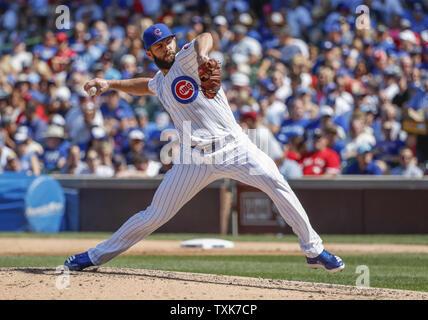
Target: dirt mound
120,283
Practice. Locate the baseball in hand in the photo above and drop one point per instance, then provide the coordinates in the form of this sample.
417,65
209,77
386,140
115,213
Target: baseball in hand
92,91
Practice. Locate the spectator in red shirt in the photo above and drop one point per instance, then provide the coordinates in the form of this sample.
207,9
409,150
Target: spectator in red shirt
64,55
322,160
293,147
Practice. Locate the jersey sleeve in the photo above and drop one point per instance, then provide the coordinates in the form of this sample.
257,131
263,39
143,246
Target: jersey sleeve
187,59
187,53
153,83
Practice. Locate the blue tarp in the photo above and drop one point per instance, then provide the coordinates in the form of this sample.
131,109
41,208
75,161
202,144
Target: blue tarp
13,188
29,203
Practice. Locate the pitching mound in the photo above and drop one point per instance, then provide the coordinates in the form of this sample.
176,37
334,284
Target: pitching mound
119,283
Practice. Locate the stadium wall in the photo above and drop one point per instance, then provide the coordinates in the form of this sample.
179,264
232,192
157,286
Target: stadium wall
345,205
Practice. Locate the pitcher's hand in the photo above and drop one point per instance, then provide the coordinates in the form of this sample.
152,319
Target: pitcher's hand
101,85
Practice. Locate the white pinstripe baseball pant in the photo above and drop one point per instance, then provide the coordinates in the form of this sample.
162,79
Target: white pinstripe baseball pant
184,181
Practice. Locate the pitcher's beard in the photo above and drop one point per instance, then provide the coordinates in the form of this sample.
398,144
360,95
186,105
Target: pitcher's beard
162,64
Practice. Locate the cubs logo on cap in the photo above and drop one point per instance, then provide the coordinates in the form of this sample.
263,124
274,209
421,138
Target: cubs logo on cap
184,89
156,33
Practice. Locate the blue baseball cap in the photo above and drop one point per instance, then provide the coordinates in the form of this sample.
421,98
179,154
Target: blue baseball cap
335,27
113,74
327,45
156,33
364,148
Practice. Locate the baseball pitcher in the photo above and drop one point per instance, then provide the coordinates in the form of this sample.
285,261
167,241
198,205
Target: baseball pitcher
188,85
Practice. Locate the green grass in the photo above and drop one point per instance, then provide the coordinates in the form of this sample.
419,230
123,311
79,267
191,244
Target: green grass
396,271
421,239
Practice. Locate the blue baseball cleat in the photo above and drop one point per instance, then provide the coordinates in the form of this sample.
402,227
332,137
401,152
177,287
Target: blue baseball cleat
326,260
78,262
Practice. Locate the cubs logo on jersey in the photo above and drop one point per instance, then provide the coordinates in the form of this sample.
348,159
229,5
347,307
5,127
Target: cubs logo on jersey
184,89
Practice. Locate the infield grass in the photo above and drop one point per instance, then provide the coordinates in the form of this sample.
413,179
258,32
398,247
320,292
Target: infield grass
395,271
421,239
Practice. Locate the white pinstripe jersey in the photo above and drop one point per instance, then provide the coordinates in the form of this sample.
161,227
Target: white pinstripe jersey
180,94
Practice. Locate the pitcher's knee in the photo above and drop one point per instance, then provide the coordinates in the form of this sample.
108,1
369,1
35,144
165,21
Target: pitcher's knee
155,216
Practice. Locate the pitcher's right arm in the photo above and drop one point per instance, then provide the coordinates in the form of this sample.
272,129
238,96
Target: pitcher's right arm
136,86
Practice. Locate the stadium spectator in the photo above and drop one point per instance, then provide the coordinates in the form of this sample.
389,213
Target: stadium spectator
105,151
88,11
225,35
32,120
407,167
5,153
294,147
290,169
98,137
325,118
80,120
138,167
333,140
389,113
273,55
419,102
153,143
298,18
311,108
261,136
322,160
274,111
364,163
129,66
12,163
60,104
8,128
358,134
94,167
388,149
136,144
77,40
56,148
288,47
282,85
296,124
404,92
115,106
31,145
48,48
244,49
28,161
74,164
63,56
119,164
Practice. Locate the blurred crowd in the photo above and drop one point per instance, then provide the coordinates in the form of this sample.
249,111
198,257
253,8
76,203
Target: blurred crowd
330,91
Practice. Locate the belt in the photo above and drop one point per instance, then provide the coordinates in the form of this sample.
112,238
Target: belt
212,147
206,148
